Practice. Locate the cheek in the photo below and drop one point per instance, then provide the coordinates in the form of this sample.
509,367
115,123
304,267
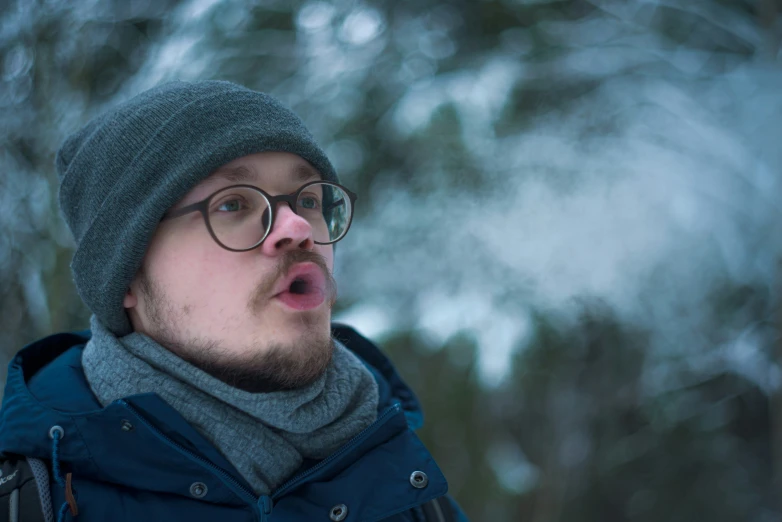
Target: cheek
188,269
210,287
183,276
327,252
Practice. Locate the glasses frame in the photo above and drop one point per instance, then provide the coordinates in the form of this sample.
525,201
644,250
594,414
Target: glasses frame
203,207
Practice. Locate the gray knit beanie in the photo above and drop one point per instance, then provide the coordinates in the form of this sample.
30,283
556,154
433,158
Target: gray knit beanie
123,170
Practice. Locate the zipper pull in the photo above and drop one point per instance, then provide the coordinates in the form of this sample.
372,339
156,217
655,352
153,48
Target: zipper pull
265,504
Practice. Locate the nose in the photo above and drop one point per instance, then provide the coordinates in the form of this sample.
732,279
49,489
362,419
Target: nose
289,232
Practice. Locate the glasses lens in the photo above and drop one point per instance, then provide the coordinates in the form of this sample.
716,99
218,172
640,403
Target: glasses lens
239,217
327,208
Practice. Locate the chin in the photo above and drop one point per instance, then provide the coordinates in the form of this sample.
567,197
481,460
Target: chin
311,323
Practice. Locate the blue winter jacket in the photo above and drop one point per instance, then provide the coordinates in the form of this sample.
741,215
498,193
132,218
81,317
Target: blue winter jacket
137,459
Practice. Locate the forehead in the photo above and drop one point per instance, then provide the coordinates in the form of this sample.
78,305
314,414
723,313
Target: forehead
271,171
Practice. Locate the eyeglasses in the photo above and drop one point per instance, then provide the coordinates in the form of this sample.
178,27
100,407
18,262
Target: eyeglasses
240,217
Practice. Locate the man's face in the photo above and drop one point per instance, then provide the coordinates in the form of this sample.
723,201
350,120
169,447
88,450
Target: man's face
232,313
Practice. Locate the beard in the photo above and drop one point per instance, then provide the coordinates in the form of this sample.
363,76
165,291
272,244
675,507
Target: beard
269,367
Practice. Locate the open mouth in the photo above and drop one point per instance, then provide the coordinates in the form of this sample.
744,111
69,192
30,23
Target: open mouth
300,286
303,288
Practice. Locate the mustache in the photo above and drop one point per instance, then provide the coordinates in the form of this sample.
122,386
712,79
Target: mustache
286,262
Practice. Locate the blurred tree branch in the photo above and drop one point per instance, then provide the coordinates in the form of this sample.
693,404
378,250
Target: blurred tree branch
775,400
769,14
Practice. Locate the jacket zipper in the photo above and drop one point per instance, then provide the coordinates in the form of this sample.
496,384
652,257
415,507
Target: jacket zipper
439,511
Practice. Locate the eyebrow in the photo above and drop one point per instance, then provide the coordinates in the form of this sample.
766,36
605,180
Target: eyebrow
304,173
240,174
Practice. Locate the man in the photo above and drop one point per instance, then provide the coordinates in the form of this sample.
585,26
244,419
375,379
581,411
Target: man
212,385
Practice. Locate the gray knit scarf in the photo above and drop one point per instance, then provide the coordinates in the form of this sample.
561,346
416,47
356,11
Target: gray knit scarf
265,436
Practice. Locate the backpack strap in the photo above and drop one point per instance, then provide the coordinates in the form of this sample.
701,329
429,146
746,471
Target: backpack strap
24,490
439,509
41,473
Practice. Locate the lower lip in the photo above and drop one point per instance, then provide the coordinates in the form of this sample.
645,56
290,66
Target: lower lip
301,301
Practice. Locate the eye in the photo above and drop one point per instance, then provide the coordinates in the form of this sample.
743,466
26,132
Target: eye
309,202
230,205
